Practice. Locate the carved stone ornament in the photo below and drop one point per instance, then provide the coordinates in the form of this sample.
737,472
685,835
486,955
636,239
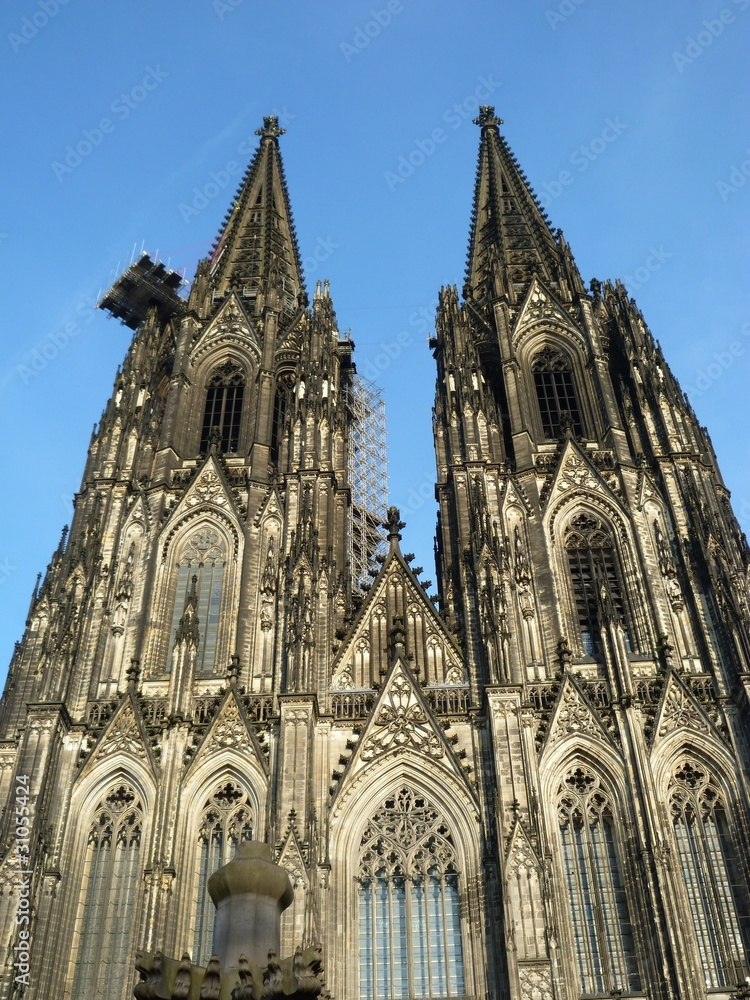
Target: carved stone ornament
572,716
679,711
401,723
536,982
577,475
124,736
228,730
208,489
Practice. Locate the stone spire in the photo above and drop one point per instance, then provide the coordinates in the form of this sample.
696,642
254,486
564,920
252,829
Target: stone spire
510,238
257,251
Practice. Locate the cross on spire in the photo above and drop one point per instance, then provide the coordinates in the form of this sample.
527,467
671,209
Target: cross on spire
487,117
271,128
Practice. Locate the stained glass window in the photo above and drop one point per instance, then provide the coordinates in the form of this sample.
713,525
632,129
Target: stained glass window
556,392
226,822
110,888
224,395
203,558
595,575
409,924
602,932
716,897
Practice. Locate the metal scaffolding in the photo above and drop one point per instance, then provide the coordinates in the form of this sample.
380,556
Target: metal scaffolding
143,284
368,477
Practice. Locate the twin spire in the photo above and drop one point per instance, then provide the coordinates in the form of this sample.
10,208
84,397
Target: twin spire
256,251
510,238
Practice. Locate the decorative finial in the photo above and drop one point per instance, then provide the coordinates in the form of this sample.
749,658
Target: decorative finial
133,672
271,128
233,670
487,117
394,524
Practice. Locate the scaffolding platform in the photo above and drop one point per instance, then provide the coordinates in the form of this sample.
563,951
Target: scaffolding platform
143,284
368,478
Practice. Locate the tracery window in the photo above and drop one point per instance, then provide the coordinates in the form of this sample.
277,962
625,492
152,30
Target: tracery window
203,558
716,896
225,392
556,392
409,925
110,892
595,575
602,932
226,822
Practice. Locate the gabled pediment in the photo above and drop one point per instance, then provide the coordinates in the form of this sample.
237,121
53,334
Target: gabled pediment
124,733
540,306
680,710
520,853
395,575
270,507
514,496
230,325
402,722
573,716
576,474
208,490
230,729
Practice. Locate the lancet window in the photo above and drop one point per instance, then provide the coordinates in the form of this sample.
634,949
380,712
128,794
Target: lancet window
225,392
602,933
716,896
110,891
226,822
556,392
409,925
595,575
201,565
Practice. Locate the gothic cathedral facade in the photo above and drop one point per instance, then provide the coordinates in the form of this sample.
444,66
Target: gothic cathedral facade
533,786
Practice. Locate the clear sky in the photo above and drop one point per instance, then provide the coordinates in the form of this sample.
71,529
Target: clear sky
129,124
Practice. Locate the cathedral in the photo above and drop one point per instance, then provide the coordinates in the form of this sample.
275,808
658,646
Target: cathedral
533,785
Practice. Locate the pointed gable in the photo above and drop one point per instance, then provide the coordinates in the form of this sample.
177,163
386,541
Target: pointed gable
208,490
680,710
230,729
124,733
401,722
520,855
230,326
573,716
396,591
576,474
541,307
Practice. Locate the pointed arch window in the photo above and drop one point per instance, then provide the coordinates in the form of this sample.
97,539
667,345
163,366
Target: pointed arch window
716,896
226,822
409,925
602,931
110,893
202,563
225,391
556,392
595,575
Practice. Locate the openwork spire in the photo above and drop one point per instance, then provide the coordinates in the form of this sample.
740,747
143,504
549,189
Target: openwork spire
510,237
256,252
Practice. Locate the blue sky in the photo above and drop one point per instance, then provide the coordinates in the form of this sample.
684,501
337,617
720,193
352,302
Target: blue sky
129,125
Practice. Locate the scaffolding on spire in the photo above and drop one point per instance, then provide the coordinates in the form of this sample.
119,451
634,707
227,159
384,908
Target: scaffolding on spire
143,284
368,477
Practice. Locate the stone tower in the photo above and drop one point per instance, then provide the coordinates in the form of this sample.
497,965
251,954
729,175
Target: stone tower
535,789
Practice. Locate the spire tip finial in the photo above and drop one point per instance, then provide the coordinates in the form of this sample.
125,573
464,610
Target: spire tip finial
487,117
271,128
